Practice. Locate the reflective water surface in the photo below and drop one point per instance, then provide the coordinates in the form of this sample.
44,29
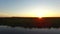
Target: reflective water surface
21,30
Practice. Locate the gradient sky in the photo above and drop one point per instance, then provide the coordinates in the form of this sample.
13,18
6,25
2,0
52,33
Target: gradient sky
30,8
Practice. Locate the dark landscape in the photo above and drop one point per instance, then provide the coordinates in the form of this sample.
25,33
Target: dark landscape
31,22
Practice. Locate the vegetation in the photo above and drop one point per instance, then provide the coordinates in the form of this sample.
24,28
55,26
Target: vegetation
31,22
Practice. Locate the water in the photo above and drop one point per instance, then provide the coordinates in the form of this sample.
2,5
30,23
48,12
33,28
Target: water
19,30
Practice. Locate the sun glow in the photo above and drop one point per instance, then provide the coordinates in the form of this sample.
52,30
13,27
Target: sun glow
42,12
38,12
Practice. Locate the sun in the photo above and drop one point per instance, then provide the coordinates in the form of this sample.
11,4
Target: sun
40,14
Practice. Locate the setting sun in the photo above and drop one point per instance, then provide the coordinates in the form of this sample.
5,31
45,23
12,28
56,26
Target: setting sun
40,12
40,15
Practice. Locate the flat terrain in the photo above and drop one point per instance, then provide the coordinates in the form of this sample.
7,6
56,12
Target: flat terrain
31,22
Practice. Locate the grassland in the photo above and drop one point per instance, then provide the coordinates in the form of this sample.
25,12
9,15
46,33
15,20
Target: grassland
31,22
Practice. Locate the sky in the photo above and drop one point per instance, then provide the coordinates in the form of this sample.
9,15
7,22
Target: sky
29,8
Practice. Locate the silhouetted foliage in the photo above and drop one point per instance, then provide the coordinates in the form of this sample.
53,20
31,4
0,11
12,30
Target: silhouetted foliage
31,22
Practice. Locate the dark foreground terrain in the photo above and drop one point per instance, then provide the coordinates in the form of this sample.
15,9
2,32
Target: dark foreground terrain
31,22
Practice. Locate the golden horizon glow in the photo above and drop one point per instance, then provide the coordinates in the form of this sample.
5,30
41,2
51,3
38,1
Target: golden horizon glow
35,12
40,12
